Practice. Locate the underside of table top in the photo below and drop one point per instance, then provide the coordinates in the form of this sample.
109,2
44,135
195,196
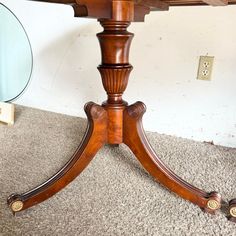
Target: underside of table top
198,2
150,3
136,9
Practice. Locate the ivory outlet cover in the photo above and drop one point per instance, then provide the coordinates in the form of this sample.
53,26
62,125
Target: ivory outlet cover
205,68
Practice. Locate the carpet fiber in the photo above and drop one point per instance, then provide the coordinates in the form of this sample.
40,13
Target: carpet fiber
114,195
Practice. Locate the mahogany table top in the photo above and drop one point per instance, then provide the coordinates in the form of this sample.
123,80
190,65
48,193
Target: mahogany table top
104,8
150,3
196,2
136,9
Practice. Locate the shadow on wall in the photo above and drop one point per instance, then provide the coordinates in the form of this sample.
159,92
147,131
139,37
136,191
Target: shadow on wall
68,65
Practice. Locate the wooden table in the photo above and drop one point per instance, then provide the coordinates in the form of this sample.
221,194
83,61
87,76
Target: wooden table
115,122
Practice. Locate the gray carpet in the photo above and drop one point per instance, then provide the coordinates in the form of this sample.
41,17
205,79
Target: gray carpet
114,195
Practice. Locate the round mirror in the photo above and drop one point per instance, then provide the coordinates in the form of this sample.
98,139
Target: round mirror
16,60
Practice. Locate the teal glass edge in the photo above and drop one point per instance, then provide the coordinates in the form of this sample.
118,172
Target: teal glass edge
23,89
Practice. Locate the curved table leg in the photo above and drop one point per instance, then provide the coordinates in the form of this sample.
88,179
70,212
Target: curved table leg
135,139
93,140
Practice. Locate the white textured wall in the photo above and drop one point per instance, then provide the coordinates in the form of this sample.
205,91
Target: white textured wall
164,53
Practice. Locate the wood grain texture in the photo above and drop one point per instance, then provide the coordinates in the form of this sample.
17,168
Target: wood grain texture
115,69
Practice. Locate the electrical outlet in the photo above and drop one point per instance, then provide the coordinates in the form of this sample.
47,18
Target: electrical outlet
205,68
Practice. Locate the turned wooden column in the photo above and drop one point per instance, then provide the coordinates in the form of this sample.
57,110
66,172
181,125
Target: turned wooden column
115,69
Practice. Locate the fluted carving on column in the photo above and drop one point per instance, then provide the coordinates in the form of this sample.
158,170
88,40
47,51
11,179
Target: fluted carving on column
115,79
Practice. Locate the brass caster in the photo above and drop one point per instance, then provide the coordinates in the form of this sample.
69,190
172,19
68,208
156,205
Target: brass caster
17,206
232,210
214,203
15,203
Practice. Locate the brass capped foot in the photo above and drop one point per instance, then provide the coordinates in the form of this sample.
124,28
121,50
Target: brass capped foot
232,210
214,203
17,206
15,203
